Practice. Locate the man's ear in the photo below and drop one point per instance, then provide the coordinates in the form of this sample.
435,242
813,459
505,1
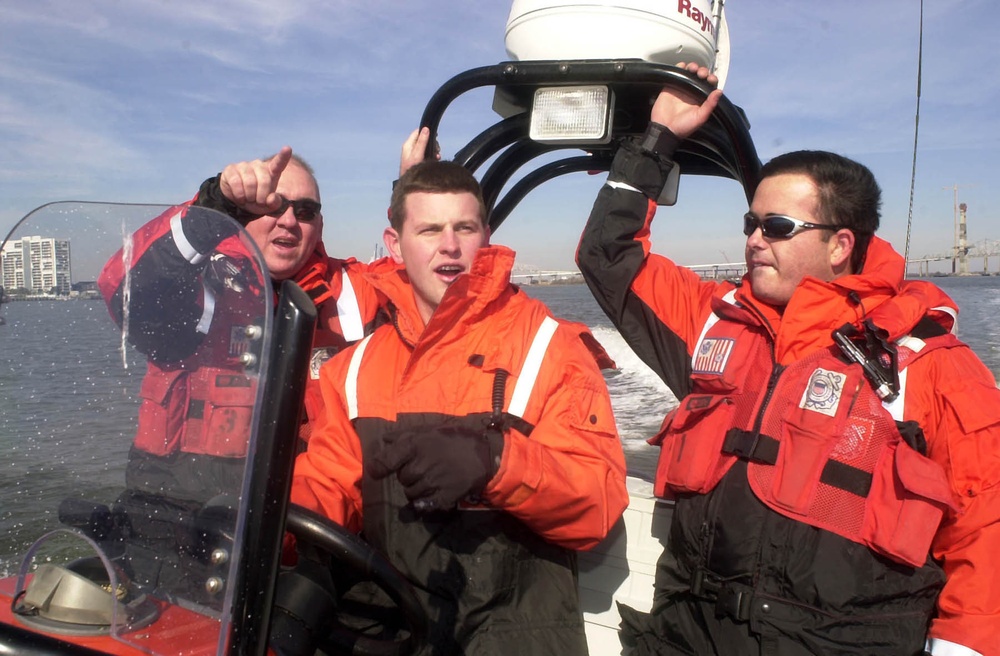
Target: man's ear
391,240
841,246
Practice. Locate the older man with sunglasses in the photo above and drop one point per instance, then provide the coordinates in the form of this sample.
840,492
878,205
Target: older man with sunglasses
277,200
834,457
197,395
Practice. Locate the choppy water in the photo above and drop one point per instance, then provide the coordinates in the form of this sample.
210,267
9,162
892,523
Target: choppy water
67,410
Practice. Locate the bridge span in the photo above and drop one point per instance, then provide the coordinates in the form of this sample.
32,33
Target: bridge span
722,271
976,261
964,261
546,277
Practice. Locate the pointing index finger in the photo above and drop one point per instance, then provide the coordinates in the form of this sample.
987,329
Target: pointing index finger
279,162
275,167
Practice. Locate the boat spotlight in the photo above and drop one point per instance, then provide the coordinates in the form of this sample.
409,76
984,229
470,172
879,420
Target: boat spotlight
571,115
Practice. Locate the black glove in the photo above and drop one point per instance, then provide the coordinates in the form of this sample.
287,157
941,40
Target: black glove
210,195
440,465
304,604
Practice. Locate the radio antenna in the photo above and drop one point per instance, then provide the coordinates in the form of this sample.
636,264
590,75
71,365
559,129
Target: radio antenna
916,130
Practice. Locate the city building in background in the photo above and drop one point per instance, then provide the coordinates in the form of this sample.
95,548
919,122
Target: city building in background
36,266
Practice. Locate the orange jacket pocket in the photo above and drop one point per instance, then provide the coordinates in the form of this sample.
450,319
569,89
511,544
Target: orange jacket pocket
909,496
690,440
219,413
161,413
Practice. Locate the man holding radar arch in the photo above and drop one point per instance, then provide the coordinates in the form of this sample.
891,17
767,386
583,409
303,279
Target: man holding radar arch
835,456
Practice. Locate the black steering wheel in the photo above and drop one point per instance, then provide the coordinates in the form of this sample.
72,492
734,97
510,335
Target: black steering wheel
318,531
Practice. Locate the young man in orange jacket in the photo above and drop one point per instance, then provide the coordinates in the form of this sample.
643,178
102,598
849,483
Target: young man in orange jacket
834,455
471,438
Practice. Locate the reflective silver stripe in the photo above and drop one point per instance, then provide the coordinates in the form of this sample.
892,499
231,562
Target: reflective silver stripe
896,408
532,364
187,251
351,384
952,313
915,344
207,312
349,312
940,647
522,390
614,184
712,319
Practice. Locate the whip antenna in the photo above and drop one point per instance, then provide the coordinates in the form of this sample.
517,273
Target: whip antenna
916,130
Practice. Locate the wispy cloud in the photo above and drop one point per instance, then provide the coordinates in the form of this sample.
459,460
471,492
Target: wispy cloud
142,100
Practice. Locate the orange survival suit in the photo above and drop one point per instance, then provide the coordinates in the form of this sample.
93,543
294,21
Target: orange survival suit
195,309
345,303
785,538
500,577
192,405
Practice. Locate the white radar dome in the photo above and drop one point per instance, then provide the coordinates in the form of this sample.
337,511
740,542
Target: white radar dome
660,31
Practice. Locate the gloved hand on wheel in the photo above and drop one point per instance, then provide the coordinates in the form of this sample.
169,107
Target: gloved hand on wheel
305,602
438,466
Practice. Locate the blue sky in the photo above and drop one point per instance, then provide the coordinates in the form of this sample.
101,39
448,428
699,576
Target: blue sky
115,100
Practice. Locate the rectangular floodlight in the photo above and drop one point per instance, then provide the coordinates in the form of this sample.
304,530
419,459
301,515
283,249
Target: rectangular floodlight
570,115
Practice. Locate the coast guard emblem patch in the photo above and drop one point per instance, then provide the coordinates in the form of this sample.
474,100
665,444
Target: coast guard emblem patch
712,355
823,392
316,360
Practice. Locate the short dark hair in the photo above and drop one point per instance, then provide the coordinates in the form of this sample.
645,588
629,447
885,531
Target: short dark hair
433,177
848,193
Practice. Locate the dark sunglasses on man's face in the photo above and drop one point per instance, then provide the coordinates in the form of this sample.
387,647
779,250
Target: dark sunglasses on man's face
779,226
305,210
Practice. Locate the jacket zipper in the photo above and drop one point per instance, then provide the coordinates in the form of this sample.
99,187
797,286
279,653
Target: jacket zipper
717,497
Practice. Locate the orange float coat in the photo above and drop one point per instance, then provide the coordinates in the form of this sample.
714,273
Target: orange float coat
662,310
561,481
199,404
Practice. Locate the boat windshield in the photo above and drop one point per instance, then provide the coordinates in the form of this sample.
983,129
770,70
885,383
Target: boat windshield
125,433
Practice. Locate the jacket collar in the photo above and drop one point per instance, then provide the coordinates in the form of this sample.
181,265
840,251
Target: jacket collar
465,302
819,307
314,276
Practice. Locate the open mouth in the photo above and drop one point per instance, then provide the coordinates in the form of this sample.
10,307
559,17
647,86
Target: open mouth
285,243
449,271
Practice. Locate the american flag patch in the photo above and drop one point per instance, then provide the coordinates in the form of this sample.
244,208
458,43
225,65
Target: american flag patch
239,343
712,355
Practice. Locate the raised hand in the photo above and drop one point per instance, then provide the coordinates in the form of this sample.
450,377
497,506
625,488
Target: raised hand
683,112
414,149
252,185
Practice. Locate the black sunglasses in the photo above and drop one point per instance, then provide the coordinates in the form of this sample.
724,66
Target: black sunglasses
779,226
305,210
